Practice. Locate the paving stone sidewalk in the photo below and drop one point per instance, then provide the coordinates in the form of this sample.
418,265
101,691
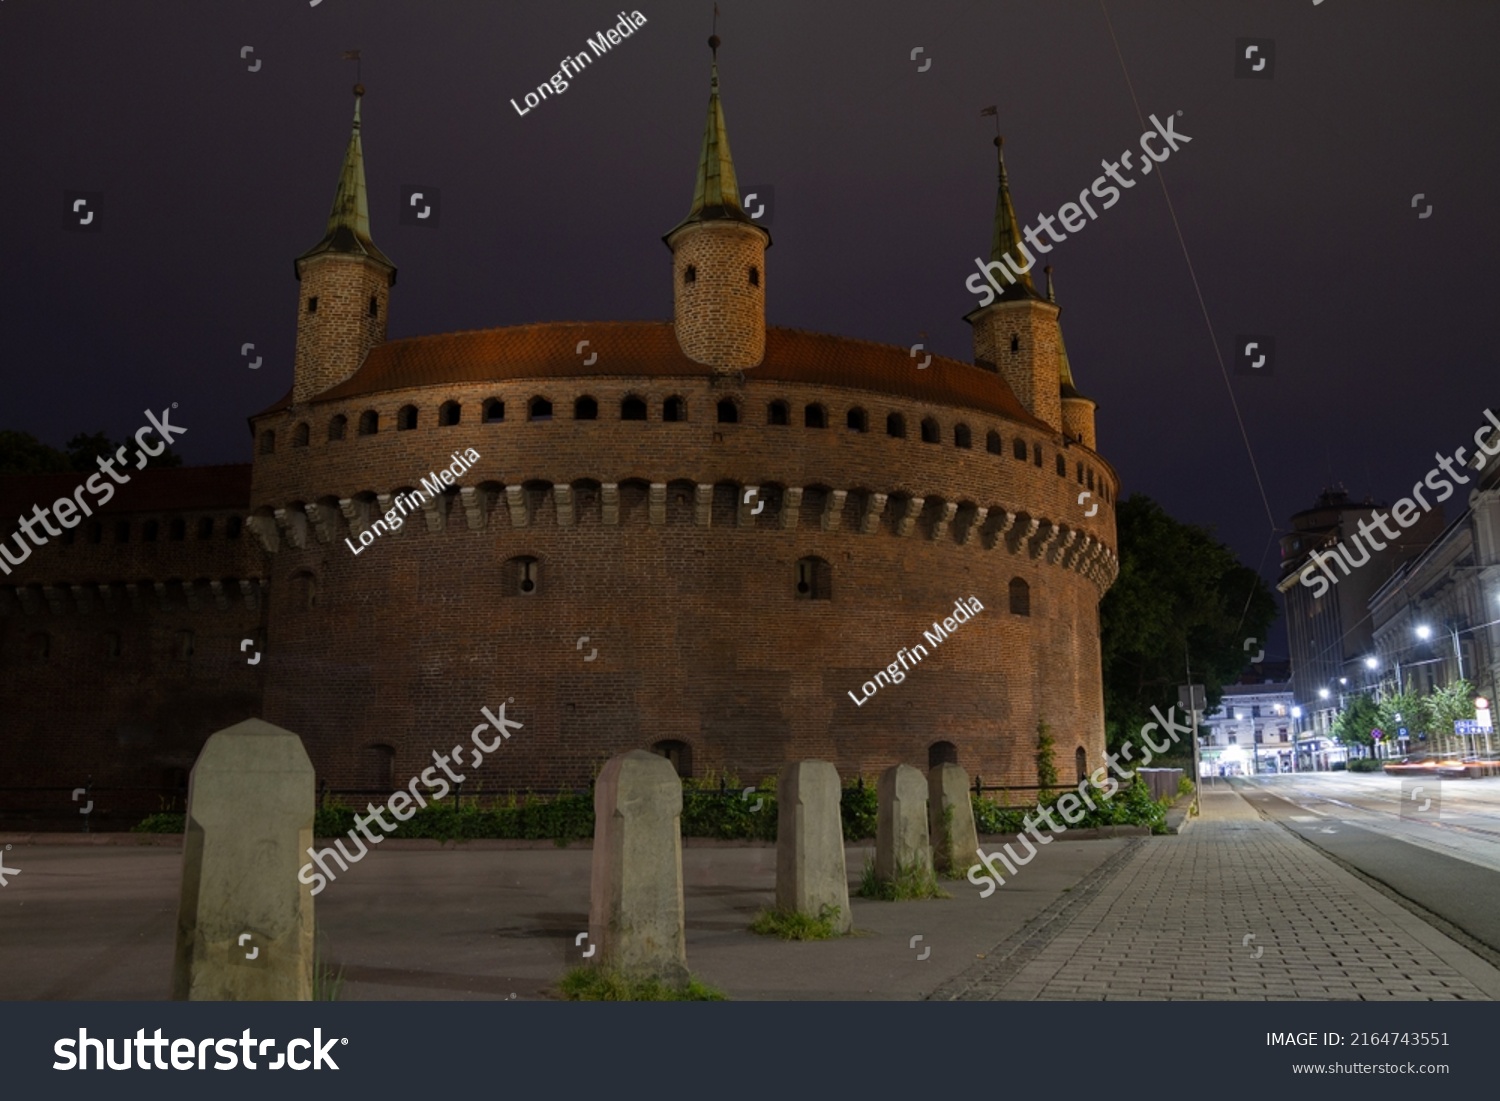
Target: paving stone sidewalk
1169,921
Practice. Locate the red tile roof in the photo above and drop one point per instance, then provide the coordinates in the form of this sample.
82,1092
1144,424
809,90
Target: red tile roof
649,349
157,489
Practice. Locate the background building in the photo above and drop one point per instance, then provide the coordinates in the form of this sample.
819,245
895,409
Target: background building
1251,731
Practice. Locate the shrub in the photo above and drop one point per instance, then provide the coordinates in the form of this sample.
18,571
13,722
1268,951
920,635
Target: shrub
1366,764
791,925
164,822
911,882
594,984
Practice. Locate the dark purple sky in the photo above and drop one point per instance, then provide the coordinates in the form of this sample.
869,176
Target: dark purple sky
1294,200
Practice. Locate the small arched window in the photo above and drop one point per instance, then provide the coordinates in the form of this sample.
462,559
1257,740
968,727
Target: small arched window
300,435
633,409
374,306
674,409
729,412
895,425
814,579
1062,466
522,576
930,431
585,409
494,411
1015,343
1036,454
540,409
1090,473
992,442
312,304
777,413
1080,474
267,442
941,753
369,422
449,413
337,427
754,276
1020,597
177,529
1081,764
857,420
690,274
406,418
815,416
1018,448
961,436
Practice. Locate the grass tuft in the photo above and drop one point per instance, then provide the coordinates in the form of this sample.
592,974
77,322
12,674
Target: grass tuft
792,925
594,984
913,881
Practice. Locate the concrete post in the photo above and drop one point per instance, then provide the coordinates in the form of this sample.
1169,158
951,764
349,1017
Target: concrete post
245,921
810,869
951,819
635,896
901,838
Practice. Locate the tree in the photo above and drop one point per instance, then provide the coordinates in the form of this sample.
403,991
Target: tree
23,453
1181,595
1406,709
1448,703
1356,722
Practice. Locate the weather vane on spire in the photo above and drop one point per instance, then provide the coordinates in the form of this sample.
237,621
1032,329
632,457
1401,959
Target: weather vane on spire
353,55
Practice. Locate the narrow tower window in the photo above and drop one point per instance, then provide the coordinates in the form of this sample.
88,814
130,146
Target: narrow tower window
633,409
776,413
540,410
729,413
1020,597
521,576
494,411
754,276
1015,343
1062,466
930,432
312,304
374,306
815,416
857,420
673,409
992,442
961,436
690,274
895,425
1036,454
406,418
369,423
585,409
449,413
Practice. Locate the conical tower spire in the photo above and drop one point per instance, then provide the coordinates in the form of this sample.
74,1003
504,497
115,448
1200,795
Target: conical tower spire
1064,370
1007,235
716,193
349,220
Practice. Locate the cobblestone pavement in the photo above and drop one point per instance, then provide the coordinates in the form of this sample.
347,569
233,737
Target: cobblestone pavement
1233,909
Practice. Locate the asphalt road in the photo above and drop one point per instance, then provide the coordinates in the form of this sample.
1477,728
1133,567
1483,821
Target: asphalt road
1438,846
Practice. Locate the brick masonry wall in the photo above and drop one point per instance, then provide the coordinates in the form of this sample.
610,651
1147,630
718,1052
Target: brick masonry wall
333,341
721,315
700,635
1032,369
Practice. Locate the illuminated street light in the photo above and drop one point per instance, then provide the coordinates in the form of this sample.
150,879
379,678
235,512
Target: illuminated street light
1424,632
1371,663
1323,693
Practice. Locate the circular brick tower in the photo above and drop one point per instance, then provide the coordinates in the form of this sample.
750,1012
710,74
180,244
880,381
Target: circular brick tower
733,544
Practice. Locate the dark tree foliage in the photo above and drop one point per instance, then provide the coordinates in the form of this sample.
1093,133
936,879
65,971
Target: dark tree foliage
1181,595
23,453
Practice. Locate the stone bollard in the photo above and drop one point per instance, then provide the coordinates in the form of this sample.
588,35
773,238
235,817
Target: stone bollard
245,922
951,819
635,894
901,839
810,870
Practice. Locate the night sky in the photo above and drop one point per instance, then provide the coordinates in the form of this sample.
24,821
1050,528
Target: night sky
1294,200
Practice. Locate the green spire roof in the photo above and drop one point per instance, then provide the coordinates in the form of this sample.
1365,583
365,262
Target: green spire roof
1065,372
1007,235
349,221
716,193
